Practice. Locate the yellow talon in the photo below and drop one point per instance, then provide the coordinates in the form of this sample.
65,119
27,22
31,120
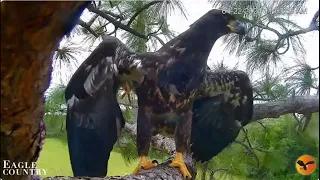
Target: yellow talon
145,164
179,163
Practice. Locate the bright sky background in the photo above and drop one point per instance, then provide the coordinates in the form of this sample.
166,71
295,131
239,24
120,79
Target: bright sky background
197,8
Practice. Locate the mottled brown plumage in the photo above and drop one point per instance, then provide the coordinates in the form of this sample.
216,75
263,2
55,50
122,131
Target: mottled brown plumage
166,82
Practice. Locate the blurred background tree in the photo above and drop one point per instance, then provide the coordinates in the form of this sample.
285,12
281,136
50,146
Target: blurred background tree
266,149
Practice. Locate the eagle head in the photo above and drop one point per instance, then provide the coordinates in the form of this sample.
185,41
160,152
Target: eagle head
229,22
221,22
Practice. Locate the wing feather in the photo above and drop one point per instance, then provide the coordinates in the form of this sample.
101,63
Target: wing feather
217,119
94,118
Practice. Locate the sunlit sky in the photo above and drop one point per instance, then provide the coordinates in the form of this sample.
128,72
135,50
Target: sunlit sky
195,9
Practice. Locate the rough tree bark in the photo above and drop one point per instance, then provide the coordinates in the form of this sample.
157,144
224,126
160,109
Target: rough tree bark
299,104
30,33
161,172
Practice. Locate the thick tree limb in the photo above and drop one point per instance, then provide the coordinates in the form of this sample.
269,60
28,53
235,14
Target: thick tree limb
159,142
161,172
30,33
300,104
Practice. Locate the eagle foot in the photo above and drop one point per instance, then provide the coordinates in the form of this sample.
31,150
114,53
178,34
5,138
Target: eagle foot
178,162
145,164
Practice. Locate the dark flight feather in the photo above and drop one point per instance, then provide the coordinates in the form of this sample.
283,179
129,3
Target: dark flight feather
94,119
224,106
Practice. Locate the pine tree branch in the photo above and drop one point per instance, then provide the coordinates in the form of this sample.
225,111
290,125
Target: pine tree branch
115,22
87,27
281,37
113,18
91,21
117,16
141,10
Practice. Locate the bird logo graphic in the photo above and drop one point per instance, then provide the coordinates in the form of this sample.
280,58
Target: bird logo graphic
305,165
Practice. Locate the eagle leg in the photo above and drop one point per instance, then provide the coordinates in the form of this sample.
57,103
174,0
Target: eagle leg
144,134
182,139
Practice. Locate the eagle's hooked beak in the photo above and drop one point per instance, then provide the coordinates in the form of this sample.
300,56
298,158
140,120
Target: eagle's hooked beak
237,27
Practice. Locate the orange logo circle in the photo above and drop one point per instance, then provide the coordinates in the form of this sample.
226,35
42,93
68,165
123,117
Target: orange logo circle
305,165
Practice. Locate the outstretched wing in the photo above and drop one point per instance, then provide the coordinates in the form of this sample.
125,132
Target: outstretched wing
301,163
224,104
310,162
94,118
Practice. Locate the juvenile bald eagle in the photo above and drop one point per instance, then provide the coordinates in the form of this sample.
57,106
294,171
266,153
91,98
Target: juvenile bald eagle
172,83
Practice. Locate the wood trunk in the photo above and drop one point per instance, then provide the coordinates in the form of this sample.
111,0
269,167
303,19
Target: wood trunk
30,33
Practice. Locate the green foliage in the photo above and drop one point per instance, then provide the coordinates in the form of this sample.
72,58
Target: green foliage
127,148
302,78
55,99
277,147
55,125
55,112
